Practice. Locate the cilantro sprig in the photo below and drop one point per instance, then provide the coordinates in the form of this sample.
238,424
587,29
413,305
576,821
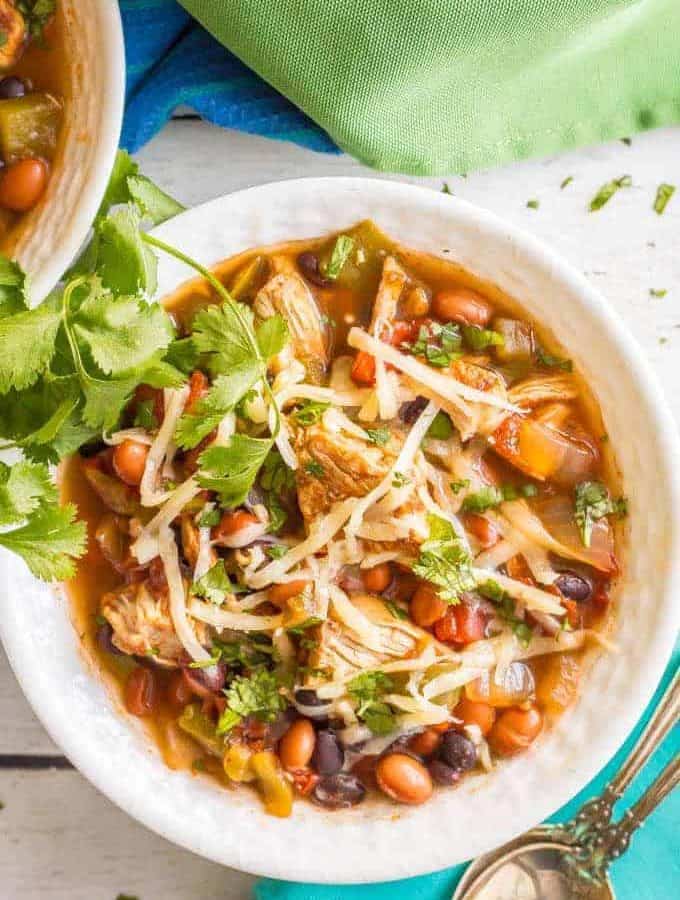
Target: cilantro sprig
366,690
444,561
257,695
593,502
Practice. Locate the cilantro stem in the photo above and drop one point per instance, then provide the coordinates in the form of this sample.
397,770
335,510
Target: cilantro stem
234,306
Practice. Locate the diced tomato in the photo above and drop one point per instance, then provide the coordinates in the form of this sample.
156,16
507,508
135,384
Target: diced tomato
462,624
363,369
573,612
485,531
198,388
404,332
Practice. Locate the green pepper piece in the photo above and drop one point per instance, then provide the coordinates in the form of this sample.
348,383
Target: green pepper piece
202,729
29,126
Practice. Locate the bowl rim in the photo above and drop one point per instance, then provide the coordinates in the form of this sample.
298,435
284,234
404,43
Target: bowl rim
661,642
111,53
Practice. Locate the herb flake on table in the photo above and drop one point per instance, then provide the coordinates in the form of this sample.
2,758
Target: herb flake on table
664,192
657,292
533,204
567,181
608,190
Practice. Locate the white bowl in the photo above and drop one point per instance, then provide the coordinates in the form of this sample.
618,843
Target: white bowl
379,842
54,232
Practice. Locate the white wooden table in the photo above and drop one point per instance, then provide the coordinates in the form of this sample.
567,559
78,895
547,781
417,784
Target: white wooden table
59,838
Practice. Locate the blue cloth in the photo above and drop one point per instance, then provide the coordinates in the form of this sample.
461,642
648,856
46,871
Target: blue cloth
649,871
172,61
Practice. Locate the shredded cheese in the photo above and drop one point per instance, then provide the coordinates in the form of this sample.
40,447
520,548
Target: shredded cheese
145,548
445,386
532,597
175,399
222,618
178,611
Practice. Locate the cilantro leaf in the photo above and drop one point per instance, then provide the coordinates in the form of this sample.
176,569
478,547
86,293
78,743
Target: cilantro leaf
441,427
49,542
183,355
309,412
593,502
218,332
378,436
272,336
117,191
664,192
553,362
275,479
125,263
481,338
439,344
444,561
224,394
13,287
37,14
231,470
145,417
458,486
214,585
23,487
27,342
258,695
152,203
608,190
366,690
314,468
487,497
342,248
121,333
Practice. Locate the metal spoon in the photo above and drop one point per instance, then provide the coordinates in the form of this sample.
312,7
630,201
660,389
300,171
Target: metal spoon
559,862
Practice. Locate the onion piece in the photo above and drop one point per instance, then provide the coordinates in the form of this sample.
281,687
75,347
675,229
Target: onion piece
556,531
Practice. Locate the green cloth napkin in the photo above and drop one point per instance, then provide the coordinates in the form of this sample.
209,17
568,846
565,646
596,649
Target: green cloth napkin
443,86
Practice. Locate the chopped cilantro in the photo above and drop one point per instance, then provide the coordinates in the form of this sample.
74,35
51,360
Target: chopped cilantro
396,611
341,252
533,204
214,585
664,192
366,690
481,338
657,292
439,344
458,486
608,190
312,467
275,478
446,189
300,629
505,606
209,518
567,181
444,561
399,480
485,498
379,436
593,502
553,362
310,412
441,427
627,141
276,551
257,695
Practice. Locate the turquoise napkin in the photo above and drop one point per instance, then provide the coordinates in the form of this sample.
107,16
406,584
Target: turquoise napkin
649,871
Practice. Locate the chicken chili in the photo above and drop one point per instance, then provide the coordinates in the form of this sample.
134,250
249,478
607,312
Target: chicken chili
364,544
31,98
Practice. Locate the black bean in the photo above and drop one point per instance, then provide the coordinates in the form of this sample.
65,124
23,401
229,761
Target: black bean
409,412
308,264
11,88
328,755
574,587
207,681
442,773
458,751
105,639
308,697
277,728
339,791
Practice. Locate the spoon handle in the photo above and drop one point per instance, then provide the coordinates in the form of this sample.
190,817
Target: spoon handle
595,814
613,840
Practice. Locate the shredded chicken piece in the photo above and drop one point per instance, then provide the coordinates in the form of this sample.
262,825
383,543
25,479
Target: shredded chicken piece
142,625
543,389
287,294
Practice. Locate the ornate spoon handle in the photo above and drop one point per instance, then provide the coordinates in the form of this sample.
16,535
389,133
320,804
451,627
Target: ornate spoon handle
591,864
595,814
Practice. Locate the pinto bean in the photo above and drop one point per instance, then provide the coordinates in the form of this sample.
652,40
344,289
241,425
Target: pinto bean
463,305
404,779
